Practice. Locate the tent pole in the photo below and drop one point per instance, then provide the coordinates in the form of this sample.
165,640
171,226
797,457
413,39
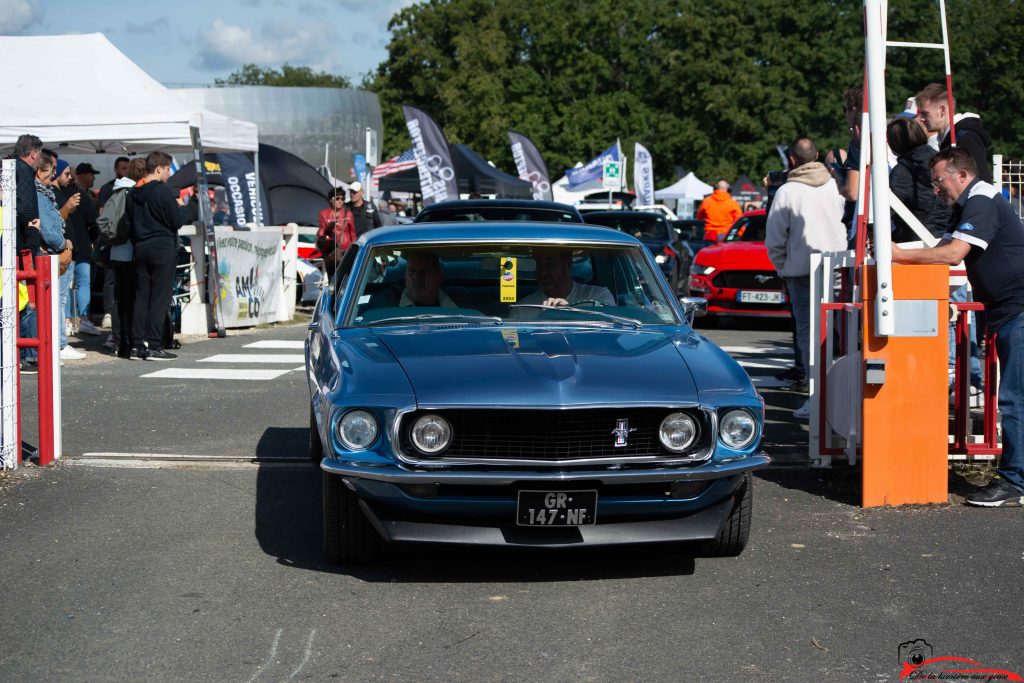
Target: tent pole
206,218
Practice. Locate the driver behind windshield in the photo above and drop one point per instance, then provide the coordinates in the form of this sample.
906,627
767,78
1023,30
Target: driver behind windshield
423,277
556,286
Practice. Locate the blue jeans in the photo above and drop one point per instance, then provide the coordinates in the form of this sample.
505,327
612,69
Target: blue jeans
83,289
975,358
27,329
799,290
1010,347
65,294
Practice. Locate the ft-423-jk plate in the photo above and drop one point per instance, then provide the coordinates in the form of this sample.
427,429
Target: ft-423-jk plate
556,508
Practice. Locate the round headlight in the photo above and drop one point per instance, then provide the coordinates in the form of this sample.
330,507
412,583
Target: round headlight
357,429
738,429
431,434
678,431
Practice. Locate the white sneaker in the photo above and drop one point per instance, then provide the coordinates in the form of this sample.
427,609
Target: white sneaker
71,353
87,327
804,411
106,322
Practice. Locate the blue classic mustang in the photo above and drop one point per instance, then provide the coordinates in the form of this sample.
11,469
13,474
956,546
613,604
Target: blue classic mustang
522,384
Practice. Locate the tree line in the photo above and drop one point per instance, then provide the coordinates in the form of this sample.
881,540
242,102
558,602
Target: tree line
713,86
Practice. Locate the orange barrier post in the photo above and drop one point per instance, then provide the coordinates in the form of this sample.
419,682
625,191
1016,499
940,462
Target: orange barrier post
905,410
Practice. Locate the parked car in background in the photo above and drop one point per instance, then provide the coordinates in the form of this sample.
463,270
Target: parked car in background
515,210
497,419
657,235
668,213
693,234
736,276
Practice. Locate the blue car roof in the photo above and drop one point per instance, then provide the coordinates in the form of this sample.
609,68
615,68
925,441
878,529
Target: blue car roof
498,231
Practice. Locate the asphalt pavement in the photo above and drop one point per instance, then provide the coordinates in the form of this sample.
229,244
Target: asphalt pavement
128,561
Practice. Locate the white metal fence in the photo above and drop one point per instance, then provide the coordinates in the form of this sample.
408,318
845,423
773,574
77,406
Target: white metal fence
8,323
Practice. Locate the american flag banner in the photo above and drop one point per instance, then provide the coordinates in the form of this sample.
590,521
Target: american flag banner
395,164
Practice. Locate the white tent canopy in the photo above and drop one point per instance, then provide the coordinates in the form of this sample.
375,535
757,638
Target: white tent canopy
690,187
80,93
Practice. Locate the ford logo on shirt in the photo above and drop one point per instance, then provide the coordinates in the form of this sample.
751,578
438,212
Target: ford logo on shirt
965,227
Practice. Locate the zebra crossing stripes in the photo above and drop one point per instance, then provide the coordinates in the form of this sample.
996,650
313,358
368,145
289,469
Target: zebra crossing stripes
276,344
264,358
256,354
245,374
762,363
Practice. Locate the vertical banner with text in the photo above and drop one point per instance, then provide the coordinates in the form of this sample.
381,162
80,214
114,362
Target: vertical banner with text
239,176
433,159
643,176
530,165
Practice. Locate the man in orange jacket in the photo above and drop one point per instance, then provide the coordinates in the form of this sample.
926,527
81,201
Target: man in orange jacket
719,210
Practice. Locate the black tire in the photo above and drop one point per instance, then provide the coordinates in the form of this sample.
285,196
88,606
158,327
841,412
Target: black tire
316,445
349,538
732,539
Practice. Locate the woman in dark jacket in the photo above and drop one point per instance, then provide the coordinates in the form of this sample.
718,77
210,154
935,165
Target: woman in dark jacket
911,180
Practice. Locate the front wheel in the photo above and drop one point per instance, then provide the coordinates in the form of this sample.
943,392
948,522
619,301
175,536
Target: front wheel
732,538
349,538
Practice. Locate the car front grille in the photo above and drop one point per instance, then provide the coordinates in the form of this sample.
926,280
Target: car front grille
749,279
554,436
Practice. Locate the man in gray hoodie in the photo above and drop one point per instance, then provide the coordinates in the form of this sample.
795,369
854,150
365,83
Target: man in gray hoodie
806,218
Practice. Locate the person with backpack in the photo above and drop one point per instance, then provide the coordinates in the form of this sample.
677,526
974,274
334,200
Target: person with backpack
114,226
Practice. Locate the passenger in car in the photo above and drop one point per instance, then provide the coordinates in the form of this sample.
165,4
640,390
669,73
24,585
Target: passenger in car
423,278
556,286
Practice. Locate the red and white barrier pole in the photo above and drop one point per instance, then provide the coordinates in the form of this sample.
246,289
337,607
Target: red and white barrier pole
42,280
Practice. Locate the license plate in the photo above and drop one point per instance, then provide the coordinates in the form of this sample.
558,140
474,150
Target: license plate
760,297
556,508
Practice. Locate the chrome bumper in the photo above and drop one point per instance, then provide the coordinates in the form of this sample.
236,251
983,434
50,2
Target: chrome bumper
396,474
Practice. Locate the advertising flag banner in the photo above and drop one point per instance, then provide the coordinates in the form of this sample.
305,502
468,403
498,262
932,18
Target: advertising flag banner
434,161
239,176
530,165
643,176
592,169
359,167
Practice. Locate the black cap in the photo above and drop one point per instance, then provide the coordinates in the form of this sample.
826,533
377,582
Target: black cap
86,168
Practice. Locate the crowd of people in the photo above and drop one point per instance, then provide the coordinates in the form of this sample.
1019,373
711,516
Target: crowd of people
343,222
60,212
939,170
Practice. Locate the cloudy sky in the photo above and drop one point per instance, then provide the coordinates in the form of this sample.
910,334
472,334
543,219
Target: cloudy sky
194,41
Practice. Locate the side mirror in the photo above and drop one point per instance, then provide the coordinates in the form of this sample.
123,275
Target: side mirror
693,306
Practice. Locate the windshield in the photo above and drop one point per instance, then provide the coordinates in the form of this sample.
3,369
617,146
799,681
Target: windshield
497,213
499,284
649,226
747,229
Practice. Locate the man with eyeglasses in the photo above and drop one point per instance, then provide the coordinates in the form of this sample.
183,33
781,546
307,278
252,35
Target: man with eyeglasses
988,237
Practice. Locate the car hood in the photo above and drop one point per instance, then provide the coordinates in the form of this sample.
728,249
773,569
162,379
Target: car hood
542,366
736,254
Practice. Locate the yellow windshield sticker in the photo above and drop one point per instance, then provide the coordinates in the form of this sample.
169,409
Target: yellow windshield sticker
508,280
512,337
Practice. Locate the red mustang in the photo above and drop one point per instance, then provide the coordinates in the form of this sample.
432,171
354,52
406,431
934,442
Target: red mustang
735,275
